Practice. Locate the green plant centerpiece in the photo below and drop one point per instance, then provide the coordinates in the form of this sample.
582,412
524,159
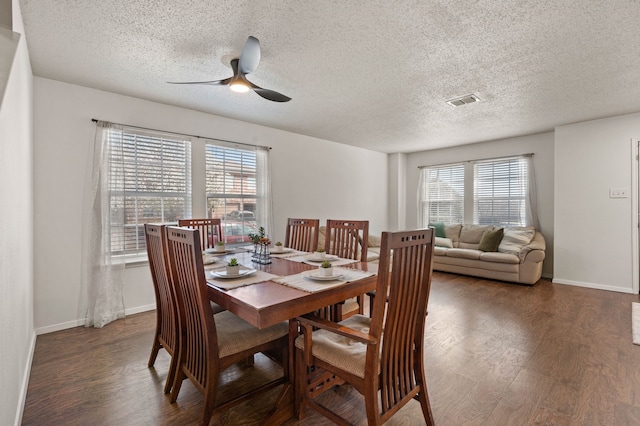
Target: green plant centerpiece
278,248
319,253
233,267
326,269
220,246
255,238
261,245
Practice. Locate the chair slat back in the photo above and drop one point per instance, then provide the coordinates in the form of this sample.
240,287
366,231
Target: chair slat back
210,230
199,350
302,234
347,238
408,284
166,315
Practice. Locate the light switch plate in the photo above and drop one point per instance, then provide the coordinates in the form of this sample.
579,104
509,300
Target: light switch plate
618,192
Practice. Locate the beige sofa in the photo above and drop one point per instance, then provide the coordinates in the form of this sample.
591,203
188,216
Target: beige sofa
518,258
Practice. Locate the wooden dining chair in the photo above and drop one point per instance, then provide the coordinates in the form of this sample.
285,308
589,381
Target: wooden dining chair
382,357
210,234
302,234
166,335
210,230
211,343
348,239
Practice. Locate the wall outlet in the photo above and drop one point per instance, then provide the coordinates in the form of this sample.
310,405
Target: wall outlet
618,192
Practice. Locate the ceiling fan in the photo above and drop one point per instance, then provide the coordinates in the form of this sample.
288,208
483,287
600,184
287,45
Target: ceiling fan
247,63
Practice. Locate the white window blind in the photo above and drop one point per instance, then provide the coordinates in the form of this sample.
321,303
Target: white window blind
232,190
501,192
442,194
149,181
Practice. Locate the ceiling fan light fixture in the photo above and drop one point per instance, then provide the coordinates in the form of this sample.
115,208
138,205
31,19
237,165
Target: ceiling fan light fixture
239,86
245,64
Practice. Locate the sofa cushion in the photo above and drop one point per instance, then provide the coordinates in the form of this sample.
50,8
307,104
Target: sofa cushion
470,235
498,257
516,238
452,232
491,240
440,251
443,242
464,253
373,253
478,268
439,229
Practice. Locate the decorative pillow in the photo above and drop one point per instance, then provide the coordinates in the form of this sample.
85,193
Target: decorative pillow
514,239
443,242
374,241
453,233
491,240
472,234
439,229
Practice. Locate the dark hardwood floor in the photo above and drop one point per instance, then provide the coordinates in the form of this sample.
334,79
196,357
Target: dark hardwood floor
497,354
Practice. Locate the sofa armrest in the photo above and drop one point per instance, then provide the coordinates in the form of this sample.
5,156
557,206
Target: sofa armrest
535,250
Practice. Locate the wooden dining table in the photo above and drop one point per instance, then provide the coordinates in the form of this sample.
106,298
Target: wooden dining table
264,304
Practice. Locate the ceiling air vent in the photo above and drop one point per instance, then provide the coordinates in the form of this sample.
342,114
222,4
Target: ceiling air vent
463,100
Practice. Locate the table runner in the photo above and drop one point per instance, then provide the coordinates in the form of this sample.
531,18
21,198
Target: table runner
229,283
311,286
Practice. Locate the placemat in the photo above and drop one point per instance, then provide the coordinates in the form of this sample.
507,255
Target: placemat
229,250
229,283
292,253
338,262
300,282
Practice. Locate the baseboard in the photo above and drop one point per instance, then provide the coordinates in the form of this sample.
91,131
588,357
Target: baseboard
80,322
593,285
58,327
140,309
25,381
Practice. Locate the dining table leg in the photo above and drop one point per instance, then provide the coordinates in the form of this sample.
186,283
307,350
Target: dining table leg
284,408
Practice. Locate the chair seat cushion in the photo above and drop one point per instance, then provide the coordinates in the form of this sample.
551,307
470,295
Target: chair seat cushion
350,305
236,335
341,351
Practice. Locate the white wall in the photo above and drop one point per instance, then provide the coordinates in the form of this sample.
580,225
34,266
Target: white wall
310,178
16,227
398,194
593,237
541,145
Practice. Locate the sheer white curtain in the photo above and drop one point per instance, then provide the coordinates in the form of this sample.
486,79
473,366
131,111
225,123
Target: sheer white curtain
264,215
102,275
423,200
532,204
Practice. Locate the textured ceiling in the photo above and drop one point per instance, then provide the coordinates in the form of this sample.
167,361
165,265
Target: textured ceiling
374,74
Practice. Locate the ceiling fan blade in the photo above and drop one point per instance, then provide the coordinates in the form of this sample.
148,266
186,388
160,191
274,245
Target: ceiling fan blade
210,83
250,57
271,95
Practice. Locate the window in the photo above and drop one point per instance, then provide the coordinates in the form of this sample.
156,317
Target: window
232,192
443,196
150,177
231,182
500,192
497,191
149,181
